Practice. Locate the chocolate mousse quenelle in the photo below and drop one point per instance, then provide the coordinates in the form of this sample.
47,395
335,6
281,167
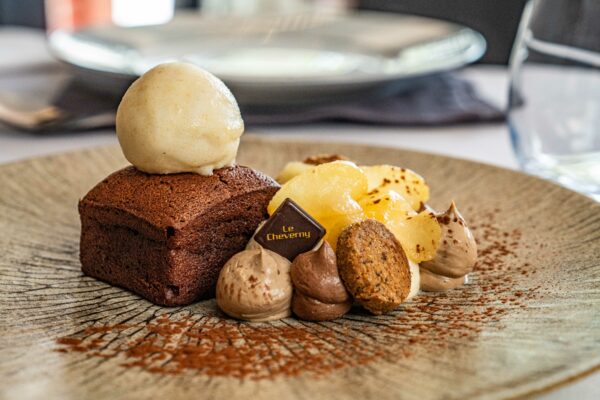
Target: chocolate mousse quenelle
319,294
254,285
455,257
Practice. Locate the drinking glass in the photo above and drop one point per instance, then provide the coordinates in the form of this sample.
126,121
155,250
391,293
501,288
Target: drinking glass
554,98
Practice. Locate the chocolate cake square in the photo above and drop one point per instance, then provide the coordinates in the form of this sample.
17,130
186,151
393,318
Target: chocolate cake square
166,237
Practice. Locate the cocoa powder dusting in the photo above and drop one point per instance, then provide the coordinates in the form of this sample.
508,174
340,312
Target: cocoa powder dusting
216,346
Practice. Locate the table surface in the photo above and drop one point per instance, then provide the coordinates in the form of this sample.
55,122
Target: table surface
487,143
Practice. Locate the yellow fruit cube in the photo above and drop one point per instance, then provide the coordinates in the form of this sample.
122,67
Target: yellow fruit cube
405,182
329,193
338,194
335,225
418,234
383,204
325,189
292,169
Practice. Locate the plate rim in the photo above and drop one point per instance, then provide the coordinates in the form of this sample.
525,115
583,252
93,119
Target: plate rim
257,136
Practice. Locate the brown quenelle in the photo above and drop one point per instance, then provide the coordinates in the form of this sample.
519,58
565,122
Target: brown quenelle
319,294
456,255
311,309
373,266
432,282
166,237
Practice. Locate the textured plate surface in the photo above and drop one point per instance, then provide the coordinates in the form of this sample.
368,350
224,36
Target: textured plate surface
527,321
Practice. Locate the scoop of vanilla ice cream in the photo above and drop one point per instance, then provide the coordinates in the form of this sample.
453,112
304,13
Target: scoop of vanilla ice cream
178,117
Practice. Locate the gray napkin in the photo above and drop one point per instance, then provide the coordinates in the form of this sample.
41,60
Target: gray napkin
436,100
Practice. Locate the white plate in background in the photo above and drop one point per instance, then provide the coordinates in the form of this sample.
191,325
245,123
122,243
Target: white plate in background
276,59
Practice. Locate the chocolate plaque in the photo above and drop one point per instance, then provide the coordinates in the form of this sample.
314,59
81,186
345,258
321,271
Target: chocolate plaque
290,231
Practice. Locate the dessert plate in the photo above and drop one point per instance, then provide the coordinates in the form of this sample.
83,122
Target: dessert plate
274,60
526,322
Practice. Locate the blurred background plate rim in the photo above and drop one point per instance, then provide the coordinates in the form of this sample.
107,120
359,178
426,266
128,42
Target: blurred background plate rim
473,48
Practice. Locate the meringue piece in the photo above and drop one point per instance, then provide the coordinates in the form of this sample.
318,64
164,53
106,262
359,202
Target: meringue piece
178,117
255,285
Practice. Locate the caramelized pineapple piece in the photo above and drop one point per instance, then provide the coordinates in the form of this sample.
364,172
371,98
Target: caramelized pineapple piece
292,169
419,234
381,204
325,190
336,224
405,182
329,193
338,194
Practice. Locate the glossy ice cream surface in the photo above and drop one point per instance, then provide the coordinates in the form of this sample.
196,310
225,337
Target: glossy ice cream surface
178,117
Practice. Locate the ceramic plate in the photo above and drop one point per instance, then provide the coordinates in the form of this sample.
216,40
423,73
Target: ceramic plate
526,322
274,60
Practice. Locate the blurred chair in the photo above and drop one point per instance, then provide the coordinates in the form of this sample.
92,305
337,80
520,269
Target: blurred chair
497,20
22,12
